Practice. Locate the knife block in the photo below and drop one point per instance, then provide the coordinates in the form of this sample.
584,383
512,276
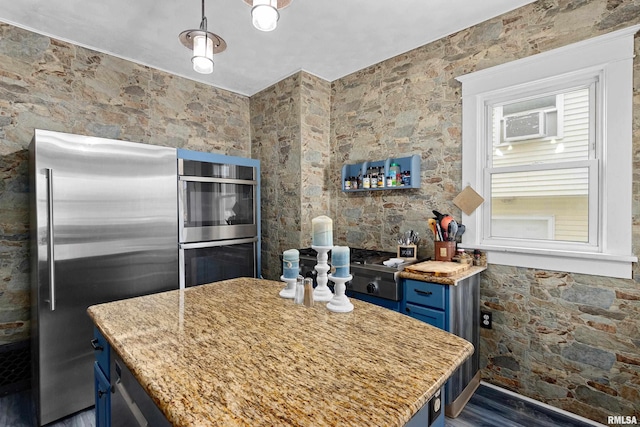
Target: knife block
444,251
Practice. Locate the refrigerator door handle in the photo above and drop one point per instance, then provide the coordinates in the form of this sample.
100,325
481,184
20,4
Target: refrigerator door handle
50,249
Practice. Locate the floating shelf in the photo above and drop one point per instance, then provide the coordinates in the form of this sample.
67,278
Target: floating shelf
410,164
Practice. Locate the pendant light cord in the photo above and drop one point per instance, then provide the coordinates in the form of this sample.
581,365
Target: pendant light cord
203,23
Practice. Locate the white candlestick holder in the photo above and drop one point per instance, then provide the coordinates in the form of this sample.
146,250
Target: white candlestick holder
290,290
340,302
322,291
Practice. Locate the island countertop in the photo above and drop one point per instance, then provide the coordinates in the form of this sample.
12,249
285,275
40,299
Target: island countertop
234,353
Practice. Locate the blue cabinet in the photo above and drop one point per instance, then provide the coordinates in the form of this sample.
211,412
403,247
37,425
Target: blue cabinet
102,375
430,415
382,302
102,389
454,308
427,315
427,302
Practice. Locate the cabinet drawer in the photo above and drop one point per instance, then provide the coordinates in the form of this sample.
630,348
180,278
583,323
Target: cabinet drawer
424,293
427,315
101,351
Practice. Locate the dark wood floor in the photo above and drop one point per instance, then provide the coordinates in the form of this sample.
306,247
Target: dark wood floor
17,410
489,407
493,407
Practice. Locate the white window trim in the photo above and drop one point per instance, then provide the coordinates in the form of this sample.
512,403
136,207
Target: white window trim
610,55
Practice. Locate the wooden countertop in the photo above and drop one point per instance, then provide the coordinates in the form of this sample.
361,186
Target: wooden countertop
234,353
443,280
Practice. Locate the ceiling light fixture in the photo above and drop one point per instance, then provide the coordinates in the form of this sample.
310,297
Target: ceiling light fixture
204,44
264,13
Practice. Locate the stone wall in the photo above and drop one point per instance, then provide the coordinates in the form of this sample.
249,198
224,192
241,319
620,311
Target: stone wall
566,339
315,159
275,131
53,85
290,131
570,340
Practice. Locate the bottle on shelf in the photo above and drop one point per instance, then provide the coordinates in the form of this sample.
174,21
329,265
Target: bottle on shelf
380,177
366,180
406,178
394,172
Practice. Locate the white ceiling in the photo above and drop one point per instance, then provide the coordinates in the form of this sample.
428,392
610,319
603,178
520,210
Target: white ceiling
327,38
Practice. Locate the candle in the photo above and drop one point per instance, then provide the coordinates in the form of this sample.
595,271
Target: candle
322,229
291,263
340,260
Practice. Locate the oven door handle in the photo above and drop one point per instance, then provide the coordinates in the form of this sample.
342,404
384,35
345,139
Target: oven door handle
217,243
218,180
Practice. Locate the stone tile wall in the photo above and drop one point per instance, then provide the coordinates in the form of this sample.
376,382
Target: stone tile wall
49,84
570,340
315,114
275,131
290,131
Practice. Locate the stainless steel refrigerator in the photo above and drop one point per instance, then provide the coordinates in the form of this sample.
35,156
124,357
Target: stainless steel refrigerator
104,227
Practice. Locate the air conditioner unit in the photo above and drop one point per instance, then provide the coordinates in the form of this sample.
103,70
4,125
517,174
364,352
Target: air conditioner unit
519,127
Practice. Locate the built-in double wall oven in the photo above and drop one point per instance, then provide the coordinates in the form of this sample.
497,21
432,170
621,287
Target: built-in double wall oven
219,217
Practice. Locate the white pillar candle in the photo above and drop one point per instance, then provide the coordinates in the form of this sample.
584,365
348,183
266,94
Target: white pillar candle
322,231
340,260
291,263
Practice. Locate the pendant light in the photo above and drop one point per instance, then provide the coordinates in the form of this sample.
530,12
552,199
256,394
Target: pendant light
264,13
203,44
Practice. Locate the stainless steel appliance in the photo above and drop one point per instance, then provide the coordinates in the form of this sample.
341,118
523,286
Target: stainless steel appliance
219,211
131,406
103,227
372,280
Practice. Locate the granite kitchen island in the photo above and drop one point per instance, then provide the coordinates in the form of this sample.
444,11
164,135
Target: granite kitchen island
235,353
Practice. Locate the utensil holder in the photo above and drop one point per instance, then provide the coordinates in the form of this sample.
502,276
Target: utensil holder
444,251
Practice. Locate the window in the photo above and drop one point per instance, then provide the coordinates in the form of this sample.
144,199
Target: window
544,167
547,142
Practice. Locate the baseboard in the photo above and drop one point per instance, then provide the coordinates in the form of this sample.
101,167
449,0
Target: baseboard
453,409
544,405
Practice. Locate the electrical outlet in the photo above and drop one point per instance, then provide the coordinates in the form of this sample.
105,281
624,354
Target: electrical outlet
485,319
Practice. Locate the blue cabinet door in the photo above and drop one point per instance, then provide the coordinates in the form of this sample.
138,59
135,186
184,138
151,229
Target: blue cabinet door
424,293
101,351
428,315
102,390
